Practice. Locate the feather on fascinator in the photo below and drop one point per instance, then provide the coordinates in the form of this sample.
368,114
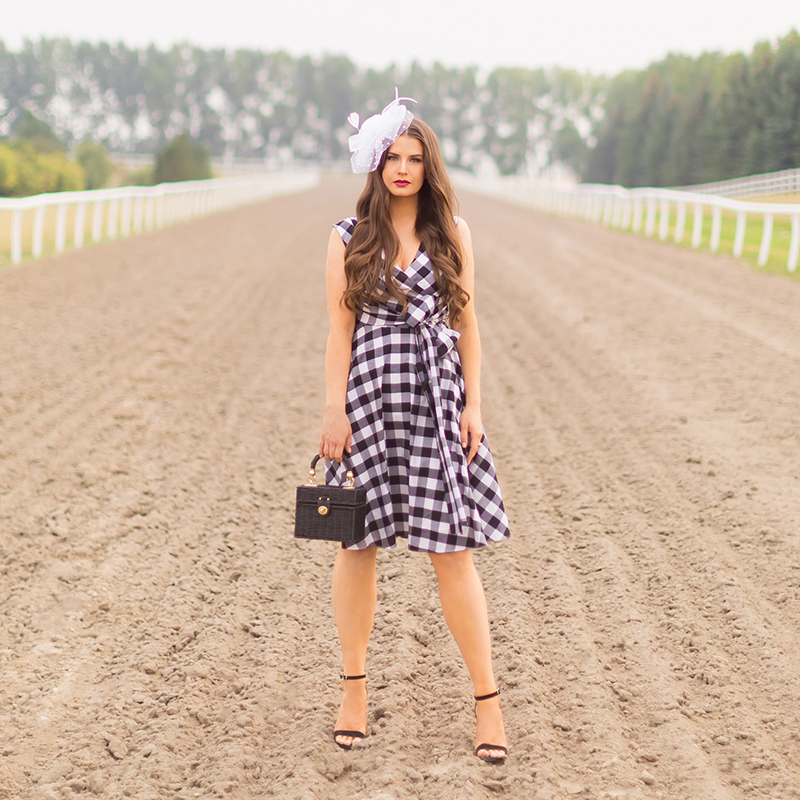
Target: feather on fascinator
376,134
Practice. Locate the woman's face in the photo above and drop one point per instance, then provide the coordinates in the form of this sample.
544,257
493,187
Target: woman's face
403,169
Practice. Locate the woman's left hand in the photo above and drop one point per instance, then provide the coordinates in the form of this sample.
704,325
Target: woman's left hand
471,431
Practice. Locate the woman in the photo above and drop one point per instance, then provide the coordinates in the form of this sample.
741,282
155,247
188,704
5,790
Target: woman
403,403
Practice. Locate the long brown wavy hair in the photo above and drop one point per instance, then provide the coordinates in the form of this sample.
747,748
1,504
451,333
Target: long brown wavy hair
435,227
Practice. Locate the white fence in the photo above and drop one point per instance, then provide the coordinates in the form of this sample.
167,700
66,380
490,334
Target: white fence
786,181
637,210
132,209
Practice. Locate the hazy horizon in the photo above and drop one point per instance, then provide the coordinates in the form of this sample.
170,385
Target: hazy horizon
583,35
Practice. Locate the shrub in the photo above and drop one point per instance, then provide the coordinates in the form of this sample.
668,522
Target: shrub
182,159
9,171
30,128
26,171
61,174
93,158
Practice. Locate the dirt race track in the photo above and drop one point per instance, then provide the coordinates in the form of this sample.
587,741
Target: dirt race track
162,635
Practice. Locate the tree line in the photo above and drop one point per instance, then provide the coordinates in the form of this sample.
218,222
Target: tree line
688,120
249,103
682,120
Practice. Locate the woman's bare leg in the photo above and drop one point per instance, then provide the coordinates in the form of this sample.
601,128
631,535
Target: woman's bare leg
464,607
354,596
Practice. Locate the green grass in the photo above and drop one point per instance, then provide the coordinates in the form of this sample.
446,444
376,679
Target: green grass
779,250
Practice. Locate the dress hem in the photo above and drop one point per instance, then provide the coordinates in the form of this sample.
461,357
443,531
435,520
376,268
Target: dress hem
413,549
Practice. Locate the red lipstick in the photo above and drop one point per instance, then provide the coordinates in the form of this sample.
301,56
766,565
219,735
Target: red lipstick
402,183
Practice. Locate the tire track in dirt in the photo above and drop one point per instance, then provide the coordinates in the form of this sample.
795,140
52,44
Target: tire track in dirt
163,634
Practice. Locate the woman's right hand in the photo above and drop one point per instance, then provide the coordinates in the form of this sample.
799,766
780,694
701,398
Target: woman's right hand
336,434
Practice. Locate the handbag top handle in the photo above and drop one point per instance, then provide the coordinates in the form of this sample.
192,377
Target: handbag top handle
312,472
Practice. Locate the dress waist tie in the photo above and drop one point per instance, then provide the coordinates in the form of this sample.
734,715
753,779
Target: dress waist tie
435,340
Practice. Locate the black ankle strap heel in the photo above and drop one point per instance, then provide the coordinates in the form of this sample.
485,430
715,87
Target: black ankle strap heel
355,735
490,759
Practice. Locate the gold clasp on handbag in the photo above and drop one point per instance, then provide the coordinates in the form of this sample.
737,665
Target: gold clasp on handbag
335,513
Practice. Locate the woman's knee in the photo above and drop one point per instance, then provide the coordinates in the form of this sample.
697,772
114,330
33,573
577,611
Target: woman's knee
363,559
457,563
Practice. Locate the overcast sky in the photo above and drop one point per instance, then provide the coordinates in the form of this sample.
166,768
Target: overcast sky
586,34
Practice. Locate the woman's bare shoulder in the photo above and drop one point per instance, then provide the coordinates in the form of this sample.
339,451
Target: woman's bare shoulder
463,228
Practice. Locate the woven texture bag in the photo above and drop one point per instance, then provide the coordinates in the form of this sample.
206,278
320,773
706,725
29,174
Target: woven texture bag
331,513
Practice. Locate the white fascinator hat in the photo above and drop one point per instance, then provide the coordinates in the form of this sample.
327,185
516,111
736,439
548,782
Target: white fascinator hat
377,132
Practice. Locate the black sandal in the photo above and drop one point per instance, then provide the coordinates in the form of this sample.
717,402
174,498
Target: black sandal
357,735
490,759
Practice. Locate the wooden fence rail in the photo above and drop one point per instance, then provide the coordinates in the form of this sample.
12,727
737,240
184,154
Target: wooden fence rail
132,209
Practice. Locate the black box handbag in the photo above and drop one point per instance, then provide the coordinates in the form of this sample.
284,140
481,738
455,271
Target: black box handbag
332,513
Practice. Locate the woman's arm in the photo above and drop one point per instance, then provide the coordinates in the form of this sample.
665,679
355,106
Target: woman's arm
336,431
469,349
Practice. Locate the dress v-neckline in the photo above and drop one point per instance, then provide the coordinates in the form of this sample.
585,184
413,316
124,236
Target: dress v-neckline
410,263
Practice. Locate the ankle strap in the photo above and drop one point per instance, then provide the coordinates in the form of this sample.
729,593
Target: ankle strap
487,696
352,677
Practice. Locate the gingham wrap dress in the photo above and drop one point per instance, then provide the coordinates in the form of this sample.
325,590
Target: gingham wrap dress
405,393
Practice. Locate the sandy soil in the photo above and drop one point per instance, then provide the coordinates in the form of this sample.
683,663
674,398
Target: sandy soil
162,635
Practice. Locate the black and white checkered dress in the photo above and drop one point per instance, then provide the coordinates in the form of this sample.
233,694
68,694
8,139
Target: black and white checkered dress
405,394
